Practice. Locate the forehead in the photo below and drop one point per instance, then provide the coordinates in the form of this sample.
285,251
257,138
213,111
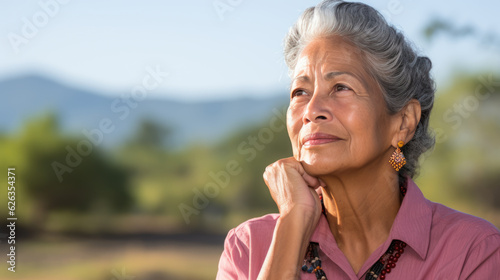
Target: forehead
332,52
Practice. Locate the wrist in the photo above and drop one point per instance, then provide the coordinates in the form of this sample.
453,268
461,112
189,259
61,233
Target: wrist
296,227
290,239
301,219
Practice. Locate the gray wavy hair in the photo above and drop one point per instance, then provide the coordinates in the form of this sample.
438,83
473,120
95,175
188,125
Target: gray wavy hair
402,74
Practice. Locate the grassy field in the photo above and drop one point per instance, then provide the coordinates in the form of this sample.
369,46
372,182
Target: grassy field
122,259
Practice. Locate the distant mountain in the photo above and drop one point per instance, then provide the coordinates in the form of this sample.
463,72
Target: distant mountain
25,97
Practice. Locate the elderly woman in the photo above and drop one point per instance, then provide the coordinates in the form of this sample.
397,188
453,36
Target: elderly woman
358,121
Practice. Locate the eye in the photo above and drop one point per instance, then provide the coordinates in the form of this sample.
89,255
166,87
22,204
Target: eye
341,87
298,92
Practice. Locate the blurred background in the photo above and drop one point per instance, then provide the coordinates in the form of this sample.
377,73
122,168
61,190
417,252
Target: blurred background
139,131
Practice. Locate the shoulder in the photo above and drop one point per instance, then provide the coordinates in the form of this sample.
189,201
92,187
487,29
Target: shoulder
461,246
257,230
245,248
447,224
460,227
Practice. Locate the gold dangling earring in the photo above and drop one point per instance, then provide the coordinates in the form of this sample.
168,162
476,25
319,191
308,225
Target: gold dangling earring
398,158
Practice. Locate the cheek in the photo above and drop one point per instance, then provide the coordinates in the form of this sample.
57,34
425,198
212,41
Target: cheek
293,125
359,121
352,115
367,129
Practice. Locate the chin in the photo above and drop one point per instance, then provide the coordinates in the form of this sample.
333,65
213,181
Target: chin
320,162
316,168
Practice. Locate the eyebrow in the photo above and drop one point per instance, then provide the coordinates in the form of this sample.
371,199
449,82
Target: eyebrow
331,75
328,76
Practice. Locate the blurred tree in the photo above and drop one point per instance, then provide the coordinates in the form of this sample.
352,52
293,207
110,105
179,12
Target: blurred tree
439,26
156,171
65,174
467,124
151,135
253,148
436,26
463,169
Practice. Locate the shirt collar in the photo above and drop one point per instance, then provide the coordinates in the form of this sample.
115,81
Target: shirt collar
413,221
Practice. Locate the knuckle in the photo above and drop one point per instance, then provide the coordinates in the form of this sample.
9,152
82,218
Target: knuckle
268,169
287,163
281,163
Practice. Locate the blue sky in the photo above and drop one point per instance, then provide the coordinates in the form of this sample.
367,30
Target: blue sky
107,45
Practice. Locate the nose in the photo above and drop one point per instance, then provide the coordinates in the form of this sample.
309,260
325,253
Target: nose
317,110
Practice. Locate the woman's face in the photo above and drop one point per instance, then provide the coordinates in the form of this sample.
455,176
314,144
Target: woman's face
337,119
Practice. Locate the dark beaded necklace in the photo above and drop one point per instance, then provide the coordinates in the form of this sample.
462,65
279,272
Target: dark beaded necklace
380,270
312,259
387,262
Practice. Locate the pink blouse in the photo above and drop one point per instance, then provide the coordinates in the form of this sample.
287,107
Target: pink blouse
441,244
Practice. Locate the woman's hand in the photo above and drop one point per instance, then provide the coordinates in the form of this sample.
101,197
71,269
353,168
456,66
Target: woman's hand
293,190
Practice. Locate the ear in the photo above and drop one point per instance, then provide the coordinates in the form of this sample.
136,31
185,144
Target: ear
408,119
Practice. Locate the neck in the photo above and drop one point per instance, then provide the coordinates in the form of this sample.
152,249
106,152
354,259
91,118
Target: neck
361,209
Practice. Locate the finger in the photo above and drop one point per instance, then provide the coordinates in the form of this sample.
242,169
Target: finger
316,196
311,181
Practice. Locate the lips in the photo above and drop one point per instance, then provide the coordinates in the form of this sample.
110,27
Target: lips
318,139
